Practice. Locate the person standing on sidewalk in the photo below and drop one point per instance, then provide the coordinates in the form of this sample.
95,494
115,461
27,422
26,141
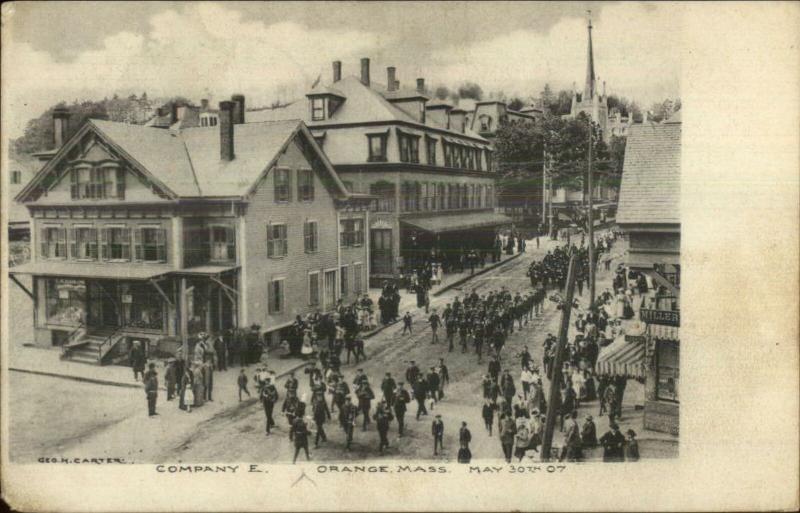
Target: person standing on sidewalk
435,322
150,379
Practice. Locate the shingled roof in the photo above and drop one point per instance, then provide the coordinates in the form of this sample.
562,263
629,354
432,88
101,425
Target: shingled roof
650,190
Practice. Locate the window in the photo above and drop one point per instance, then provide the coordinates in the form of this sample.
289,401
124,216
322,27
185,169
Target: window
668,371
283,191
311,237
305,185
84,243
431,148
142,307
116,243
97,182
16,177
277,244
448,158
357,278
478,160
440,204
223,243
53,242
275,293
377,147
151,244
488,160
352,232
409,148
65,301
313,288
317,109
343,285
486,123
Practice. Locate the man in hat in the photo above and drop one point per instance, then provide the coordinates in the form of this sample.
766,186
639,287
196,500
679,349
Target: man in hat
412,373
433,383
321,413
347,419
437,430
300,435
444,377
365,396
435,321
388,387
401,401
269,396
150,379
487,412
613,443
589,433
420,393
382,418
508,431
572,440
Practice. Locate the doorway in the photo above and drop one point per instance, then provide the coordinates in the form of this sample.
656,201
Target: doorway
381,251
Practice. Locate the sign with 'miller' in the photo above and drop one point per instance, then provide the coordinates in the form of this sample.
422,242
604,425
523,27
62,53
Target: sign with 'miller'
663,317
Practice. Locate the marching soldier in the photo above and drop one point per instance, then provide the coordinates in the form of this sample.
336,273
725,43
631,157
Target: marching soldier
400,405
347,419
269,396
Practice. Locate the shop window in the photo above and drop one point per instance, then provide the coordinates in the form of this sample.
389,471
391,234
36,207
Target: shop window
667,370
142,306
65,301
277,244
84,243
53,242
283,191
151,244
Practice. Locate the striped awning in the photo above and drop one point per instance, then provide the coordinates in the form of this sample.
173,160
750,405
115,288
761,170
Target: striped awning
622,358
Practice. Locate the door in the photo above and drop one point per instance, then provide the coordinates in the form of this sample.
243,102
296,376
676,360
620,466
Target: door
103,305
381,251
330,290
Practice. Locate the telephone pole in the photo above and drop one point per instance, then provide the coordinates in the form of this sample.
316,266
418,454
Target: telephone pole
554,403
544,186
591,217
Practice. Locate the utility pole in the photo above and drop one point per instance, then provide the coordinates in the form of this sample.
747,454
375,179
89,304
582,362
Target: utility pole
554,403
591,217
544,186
550,196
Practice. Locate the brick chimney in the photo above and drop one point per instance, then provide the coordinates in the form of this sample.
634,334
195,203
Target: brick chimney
238,108
337,71
226,112
391,79
60,125
365,71
421,85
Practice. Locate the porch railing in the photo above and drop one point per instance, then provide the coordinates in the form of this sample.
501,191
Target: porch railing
106,345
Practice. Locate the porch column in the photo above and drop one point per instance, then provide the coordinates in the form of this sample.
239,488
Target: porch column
184,320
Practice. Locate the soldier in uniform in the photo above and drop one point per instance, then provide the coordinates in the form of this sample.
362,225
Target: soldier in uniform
347,419
321,414
433,383
420,393
269,396
365,396
400,405
300,435
450,327
412,373
437,430
382,418
388,387
289,409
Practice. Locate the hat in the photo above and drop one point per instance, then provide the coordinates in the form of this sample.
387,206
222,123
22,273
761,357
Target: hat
613,425
588,417
631,432
438,416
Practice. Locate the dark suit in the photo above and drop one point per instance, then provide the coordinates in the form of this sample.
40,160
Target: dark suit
437,430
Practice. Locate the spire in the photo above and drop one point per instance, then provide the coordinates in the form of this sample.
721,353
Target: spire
589,87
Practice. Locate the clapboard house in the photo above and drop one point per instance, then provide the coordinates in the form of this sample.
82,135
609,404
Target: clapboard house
157,234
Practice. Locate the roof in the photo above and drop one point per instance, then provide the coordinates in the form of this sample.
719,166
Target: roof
188,163
650,190
363,104
457,222
93,270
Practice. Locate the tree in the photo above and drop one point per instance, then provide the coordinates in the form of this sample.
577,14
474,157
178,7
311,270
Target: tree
470,90
660,111
516,103
442,92
547,96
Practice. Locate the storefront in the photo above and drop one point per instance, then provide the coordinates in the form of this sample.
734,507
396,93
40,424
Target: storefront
662,385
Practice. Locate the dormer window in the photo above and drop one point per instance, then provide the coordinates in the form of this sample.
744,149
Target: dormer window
317,109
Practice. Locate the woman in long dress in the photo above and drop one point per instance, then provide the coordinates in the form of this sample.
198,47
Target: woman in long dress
619,309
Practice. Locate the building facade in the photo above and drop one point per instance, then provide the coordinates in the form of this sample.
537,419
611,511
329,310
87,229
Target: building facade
649,213
430,176
154,234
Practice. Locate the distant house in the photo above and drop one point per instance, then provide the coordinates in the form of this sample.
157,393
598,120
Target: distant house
649,212
432,176
155,234
19,173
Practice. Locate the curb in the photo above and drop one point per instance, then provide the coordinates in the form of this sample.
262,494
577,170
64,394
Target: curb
478,273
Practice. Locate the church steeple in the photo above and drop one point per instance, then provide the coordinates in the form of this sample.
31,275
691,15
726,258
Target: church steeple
589,88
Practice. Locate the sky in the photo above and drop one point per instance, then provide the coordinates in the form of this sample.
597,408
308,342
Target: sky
69,51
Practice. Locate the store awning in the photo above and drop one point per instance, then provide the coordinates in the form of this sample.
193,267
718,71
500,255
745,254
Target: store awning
205,270
623,357
117,271
664,332
454,223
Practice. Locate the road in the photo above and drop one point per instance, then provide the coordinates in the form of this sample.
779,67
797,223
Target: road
111,422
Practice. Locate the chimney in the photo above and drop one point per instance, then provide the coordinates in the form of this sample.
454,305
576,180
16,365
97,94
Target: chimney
204,104
238,108
337,71
173,116
391,80
421,85
365,71
60,124
226,110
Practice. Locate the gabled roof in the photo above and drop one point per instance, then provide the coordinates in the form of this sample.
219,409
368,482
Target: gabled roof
650,190
187,163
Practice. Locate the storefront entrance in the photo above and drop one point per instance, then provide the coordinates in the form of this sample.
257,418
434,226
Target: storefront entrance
104,308
381,251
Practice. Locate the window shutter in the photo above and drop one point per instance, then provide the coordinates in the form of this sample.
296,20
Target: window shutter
73,246
270,243
61,249
284,240
137,244
104,243
289,185
120,183
161,237
43,243
126,244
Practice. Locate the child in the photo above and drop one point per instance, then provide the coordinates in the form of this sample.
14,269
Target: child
189,399
242,380
407,324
